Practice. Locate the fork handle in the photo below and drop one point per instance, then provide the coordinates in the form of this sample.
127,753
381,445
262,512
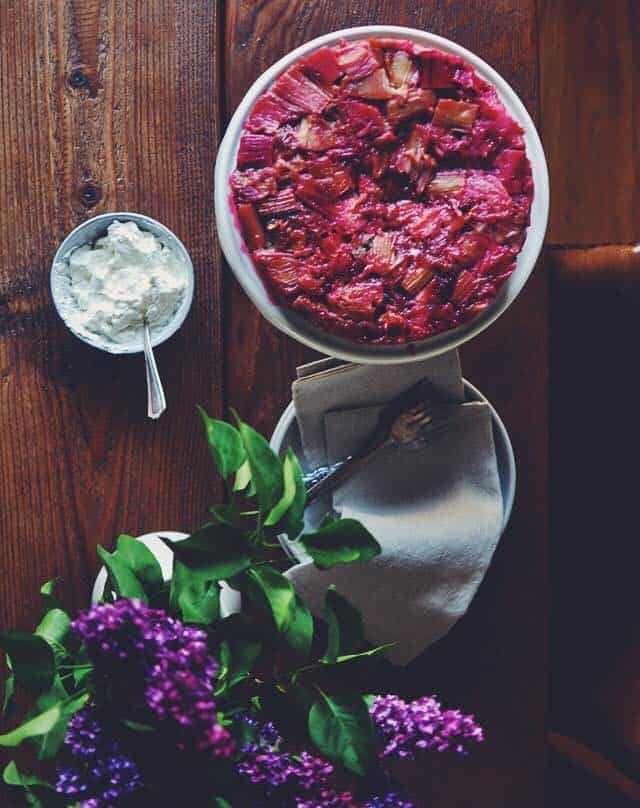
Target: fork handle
343,471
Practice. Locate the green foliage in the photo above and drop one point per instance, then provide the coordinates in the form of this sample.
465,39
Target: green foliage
341,728
272,655
32,659
345,634
339,541
225,445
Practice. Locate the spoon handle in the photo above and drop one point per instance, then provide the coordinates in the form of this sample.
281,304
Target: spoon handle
156,401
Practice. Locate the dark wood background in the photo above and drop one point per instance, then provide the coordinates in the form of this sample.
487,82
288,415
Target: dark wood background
119,105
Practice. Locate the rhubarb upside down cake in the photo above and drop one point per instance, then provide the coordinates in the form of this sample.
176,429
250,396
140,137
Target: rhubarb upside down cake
382,190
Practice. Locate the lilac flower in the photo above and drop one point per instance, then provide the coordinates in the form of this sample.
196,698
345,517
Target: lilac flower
274,769
265,765
168,666
100,774
390,800
104,782
408,728
327,798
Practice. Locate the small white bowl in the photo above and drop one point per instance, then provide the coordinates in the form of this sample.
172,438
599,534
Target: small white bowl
297,326
287,433
87,233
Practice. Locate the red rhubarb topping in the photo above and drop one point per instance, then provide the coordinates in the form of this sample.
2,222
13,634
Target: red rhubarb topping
383,190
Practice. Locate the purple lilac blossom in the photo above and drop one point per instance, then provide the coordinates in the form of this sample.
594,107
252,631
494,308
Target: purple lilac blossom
327,798
407,728
167,660
100,774
265,765
390,800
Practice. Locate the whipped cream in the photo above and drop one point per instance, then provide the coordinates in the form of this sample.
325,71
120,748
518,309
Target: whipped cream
124,278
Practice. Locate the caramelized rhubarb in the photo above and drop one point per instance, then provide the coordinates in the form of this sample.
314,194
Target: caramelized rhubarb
383,190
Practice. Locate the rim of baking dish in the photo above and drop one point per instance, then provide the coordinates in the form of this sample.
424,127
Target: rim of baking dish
299,327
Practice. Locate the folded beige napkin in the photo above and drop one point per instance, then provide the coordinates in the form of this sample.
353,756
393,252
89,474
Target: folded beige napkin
436,509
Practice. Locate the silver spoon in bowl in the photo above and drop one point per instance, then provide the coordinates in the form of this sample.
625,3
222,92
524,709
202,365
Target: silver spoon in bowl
156,401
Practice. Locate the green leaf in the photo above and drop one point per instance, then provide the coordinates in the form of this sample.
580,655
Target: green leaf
48,743
243,477
136,726
54,626
344,626
340,541
12,777
32,728
267,587
213,553
46,590
341,728
83,668
237,658
121,577
299,633
220,802
32,659
225,444
266,469
9,688
141,561
197,600
369,652
288,512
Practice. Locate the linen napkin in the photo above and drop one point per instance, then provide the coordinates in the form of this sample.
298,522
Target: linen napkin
435,507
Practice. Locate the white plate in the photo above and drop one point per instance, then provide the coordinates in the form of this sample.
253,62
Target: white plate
297,326
287,434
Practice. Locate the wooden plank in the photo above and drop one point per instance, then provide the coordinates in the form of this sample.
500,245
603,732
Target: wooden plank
494,662
103,106
590,84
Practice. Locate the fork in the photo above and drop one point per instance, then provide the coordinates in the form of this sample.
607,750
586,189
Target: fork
407,419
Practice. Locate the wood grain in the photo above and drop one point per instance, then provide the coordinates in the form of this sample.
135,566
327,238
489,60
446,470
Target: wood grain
494,662
105,105
590,84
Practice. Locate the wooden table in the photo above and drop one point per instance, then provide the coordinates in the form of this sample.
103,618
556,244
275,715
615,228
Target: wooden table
119,105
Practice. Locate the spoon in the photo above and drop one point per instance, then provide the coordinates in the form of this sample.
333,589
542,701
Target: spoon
156,401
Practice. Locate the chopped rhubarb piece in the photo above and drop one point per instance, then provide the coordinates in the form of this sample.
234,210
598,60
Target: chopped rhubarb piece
376,87
283,202
447,183
487,198
438,73
251,227
511,163
357,58
315,134
418,276
323,63
254,184
316,193
427,223
299,94
401,68
255,150
383,190
452,114
364,119
416,102
359,300
286,272
268,114
381,255
464,288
